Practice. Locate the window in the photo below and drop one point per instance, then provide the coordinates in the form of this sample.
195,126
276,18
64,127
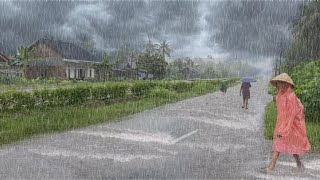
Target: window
90,73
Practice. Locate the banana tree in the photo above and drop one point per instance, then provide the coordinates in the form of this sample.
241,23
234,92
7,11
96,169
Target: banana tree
24,55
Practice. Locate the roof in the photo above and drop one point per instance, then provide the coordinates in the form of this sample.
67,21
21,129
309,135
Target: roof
3,58
68,50
193,70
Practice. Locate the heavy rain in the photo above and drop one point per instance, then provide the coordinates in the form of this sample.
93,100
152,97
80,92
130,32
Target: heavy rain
176,89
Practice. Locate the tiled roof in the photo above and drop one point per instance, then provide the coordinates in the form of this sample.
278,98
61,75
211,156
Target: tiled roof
68,50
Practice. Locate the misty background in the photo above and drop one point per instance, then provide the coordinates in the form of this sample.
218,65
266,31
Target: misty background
252,30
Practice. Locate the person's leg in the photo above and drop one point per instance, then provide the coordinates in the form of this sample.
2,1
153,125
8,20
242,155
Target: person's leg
246,102
296,157
275,156
243,101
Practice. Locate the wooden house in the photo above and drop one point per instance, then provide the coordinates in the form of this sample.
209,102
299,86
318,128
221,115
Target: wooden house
55,58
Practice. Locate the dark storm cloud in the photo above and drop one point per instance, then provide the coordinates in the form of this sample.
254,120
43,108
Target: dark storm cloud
257,27
194,28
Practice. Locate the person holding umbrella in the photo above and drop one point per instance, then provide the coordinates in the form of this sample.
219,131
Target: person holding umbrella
245,90
290,132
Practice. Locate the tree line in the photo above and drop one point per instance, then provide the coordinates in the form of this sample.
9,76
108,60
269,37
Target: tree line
305,45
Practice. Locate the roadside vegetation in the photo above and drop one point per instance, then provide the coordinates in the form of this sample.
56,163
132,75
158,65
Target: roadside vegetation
307,80
303,65
49,111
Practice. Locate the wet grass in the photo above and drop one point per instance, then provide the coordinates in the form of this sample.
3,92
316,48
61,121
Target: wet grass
313,129
19,126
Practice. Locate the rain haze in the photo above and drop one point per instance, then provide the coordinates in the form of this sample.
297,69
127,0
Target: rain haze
145,89
225,30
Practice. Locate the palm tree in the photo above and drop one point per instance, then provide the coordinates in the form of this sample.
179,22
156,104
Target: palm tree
164,49
151,48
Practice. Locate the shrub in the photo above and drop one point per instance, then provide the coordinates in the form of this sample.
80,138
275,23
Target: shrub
307,80
162,93
142,88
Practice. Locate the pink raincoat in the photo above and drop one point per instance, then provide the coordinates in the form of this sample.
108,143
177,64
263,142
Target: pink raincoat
290,125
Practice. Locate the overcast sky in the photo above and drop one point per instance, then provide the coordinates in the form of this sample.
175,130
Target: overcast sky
192,28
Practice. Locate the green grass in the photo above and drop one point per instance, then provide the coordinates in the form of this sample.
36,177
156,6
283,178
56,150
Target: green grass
270,120
22,125
313,129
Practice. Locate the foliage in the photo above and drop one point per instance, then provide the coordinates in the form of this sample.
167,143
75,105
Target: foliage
24,55
142,88
307,80
270,118
104,67
165,49
161,92
12,101
154,64
306,31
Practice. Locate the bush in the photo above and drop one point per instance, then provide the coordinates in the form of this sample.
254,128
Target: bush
307,80
142,88
162,93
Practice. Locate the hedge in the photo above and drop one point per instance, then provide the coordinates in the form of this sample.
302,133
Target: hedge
13,101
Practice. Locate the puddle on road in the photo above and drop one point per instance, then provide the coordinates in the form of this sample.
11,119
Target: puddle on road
215,147
139,137
98,156
314,165
249,124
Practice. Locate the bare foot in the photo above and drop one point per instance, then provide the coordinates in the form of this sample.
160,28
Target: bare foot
270,170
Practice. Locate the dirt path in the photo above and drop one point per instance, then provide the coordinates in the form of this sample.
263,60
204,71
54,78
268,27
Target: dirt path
205,137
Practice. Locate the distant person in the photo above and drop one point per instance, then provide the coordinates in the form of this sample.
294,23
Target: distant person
245,91
290,132
224,86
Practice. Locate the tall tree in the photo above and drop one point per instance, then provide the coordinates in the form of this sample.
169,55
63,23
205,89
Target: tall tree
154,64
306,32
104,67
151,48
165,49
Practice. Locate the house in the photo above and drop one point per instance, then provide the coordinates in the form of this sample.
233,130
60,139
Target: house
56,58
190,73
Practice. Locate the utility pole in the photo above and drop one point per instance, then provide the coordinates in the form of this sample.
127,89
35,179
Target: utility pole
276,69
280,62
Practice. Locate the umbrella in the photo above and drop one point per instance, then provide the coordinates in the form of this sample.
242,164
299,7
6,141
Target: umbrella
248,79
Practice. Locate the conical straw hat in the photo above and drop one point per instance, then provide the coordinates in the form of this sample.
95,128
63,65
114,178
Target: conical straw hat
284,77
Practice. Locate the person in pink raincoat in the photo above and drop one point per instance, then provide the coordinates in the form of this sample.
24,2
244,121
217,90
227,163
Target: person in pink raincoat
290,132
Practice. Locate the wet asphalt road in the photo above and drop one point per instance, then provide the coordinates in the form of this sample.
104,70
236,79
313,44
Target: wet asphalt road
207,137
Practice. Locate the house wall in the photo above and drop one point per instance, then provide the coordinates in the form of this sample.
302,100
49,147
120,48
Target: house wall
79,71
34,72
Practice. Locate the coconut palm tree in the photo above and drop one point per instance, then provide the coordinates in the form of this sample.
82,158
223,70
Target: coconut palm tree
164,49
152,48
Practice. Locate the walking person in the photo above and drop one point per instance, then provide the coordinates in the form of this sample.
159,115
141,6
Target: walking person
224,86
245,91
290,132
